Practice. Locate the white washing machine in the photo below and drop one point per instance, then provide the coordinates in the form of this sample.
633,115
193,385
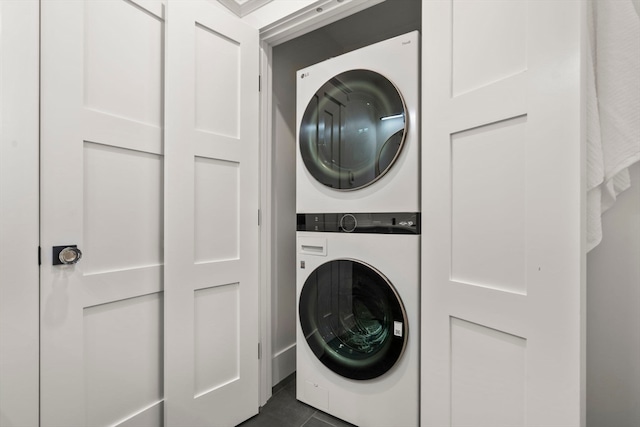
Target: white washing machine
358,135
358,324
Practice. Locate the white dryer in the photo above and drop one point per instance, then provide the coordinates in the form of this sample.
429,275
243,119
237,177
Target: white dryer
358,324
358,135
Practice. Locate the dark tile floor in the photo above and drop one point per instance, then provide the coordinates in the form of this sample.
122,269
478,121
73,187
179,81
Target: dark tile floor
283,410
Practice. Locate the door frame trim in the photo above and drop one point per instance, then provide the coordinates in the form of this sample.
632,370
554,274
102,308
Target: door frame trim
19,212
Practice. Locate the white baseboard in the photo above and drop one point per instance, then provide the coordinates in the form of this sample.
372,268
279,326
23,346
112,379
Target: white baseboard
283,364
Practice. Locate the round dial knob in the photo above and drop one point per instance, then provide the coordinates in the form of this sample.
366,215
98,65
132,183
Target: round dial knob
348,223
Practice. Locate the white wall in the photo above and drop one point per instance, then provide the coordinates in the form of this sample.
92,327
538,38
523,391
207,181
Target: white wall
19,320
613,315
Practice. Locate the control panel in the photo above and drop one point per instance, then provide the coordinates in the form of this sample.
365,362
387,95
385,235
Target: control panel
375,223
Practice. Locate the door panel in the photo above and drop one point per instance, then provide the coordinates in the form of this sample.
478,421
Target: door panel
217,88
216,184
488,205
136,185
482,356
123,70
503,258
488,43
136,384
102,189
211,228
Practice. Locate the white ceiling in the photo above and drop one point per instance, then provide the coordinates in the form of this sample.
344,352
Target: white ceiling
243,7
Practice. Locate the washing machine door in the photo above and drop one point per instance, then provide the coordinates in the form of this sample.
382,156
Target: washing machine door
353,319
353,130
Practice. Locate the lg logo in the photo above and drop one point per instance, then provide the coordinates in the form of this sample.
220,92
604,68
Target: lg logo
303,75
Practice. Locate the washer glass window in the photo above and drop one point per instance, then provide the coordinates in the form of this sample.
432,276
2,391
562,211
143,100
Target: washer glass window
353,130
353,319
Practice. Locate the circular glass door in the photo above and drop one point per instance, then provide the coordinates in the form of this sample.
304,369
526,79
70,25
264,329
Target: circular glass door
352,319
352,130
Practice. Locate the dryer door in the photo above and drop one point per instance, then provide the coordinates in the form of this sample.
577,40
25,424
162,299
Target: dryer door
353,319
353,130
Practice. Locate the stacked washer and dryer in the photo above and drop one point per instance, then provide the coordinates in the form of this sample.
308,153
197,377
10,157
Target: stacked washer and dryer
358,234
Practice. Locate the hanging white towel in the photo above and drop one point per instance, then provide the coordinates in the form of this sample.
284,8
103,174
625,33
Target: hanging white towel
613,106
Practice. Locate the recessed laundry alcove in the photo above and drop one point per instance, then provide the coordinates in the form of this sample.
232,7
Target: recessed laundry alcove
377,23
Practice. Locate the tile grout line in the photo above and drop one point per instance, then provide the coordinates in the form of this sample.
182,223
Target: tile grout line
307,420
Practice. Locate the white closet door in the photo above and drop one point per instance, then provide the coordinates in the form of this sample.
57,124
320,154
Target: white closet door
502,287
117,348
211,217
102,190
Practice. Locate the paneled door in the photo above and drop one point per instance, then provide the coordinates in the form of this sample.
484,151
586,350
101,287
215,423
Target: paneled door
211,217
111,188
102,163
503,271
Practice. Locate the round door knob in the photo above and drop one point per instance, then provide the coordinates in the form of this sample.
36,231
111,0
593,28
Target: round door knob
70,255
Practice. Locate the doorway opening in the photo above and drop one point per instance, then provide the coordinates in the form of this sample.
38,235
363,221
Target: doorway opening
380,22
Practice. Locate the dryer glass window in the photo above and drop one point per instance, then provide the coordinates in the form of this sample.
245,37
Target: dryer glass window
353,319
353,130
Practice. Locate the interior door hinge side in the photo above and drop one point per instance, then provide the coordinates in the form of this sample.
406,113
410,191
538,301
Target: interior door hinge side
39,255
259,83
259,351
259,217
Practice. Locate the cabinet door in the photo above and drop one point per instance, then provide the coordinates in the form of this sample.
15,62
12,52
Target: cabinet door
502,287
